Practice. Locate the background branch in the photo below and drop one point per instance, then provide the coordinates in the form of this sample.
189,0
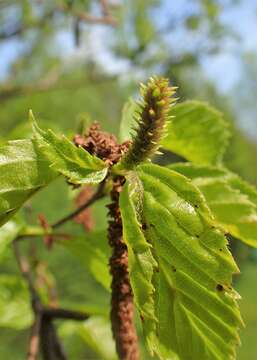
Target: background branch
96,196
20,28
34,338
89,18
51,347
53,314
36,305
8,92
43,332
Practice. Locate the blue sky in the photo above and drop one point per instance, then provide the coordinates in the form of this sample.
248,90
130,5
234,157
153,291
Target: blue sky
224,68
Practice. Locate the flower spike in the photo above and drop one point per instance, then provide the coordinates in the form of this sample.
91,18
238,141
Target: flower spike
151,119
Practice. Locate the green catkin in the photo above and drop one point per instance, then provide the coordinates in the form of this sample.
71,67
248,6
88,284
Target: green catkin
151,119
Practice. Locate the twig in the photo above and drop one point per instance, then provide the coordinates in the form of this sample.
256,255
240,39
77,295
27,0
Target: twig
105,7
86,17
99,194
34,235
43,331
26,273
35,303
34,338
51,347
64,314
96,196
19,30
83,16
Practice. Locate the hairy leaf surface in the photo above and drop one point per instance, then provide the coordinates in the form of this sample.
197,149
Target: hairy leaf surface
232,200
24,170
197,132
187,271
73,162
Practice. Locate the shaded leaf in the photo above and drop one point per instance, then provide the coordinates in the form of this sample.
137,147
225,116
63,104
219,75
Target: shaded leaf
73,162
232,200
96,333
197,133
93,252
194,304
15,310
24,170
128,120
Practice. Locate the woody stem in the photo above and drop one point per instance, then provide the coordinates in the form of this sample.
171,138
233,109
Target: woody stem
122,307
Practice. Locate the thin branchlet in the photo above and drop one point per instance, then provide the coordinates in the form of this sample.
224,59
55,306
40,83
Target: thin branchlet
152,118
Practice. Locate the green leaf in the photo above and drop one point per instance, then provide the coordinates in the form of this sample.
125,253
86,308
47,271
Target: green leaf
15,310
73,162
197,132
232,200
127,120
24,170
141,260
96,333
195,311
93,252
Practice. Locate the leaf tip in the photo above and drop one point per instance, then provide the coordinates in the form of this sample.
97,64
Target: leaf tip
31,117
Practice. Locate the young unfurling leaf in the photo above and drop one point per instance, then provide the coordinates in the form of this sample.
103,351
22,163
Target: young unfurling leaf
29,165
73,162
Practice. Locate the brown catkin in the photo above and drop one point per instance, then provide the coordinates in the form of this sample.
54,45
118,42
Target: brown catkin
122,307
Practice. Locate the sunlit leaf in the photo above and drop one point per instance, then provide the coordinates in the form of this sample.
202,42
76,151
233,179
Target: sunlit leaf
73,162
197,132
232,200
24,170
195,307
141,260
